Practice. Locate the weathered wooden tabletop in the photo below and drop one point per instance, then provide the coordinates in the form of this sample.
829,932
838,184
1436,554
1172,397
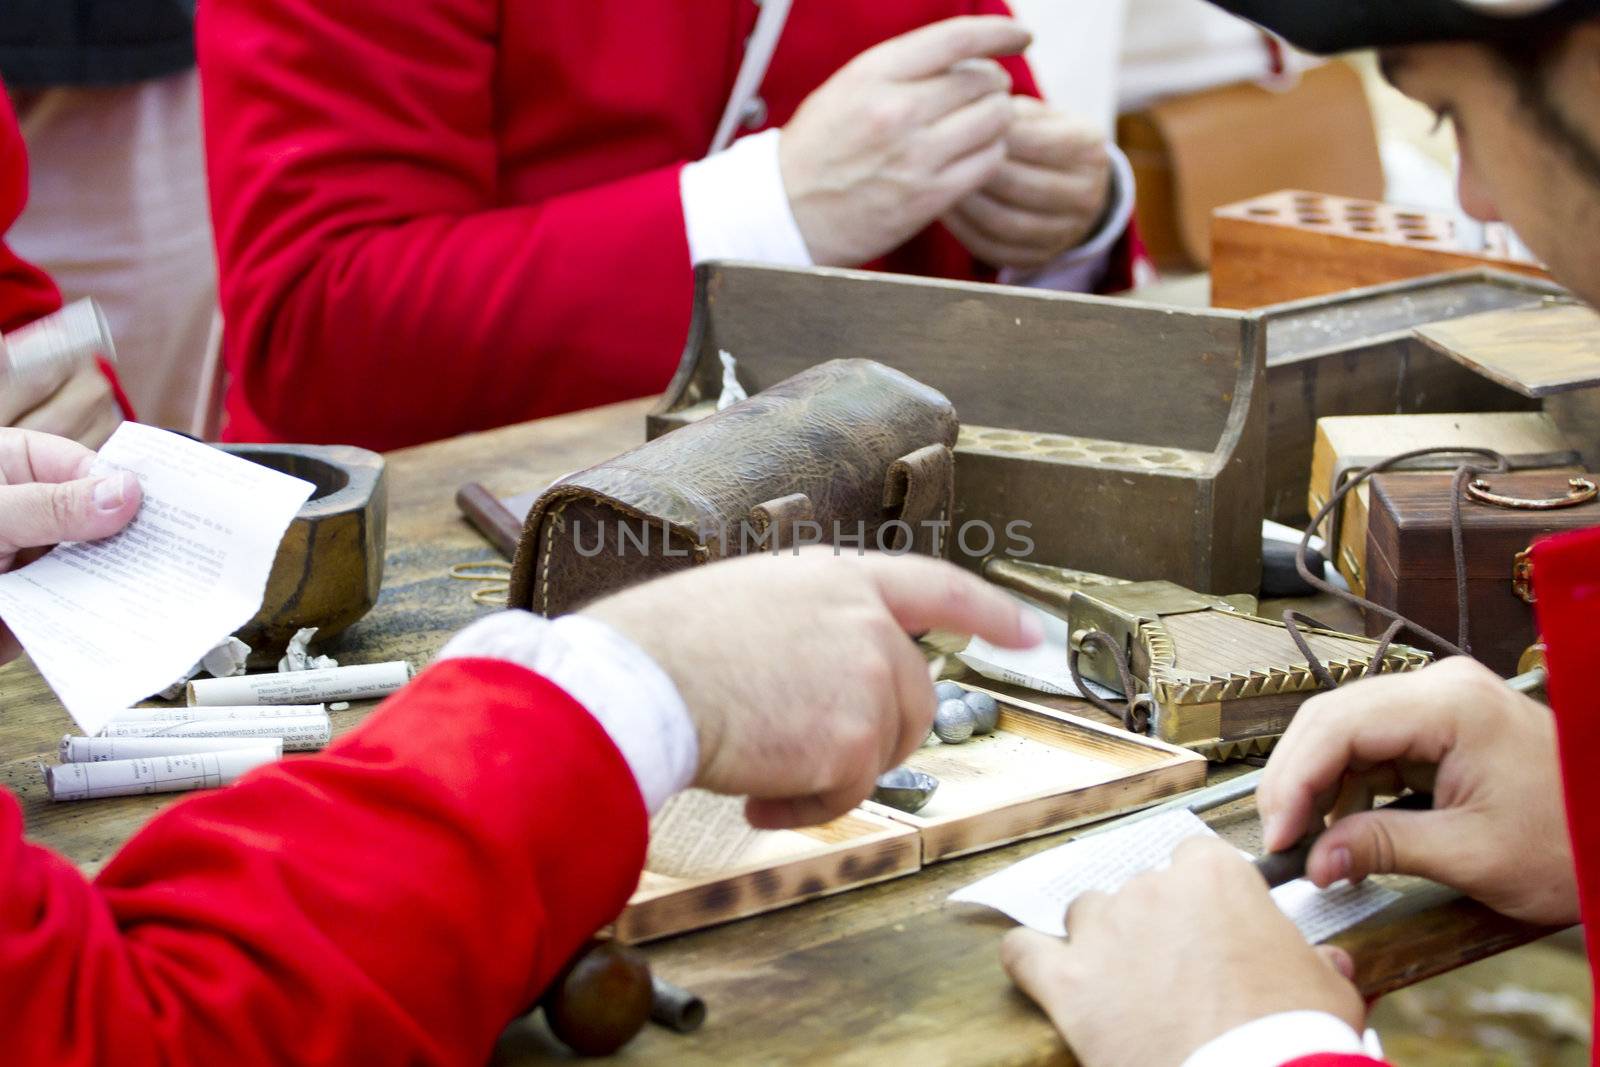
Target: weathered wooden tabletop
885,974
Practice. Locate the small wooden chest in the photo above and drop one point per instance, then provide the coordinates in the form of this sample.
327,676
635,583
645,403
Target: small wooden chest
1411,565
1347,443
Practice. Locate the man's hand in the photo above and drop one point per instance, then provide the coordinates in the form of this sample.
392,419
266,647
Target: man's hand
897,136
78,405
47,496
798,671
1177,958
1498,831
1047,197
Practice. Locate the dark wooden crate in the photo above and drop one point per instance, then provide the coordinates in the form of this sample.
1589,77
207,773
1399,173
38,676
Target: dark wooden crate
1411,565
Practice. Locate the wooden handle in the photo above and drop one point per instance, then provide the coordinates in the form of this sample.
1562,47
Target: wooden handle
1281,868
484,510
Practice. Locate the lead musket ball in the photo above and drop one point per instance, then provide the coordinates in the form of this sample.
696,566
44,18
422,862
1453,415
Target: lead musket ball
953,722
948,691
985,712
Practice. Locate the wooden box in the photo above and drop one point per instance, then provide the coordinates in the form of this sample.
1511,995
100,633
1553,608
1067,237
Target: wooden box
1127,438
1411,566
1345,444
1293,245
1356,353
1040,771
729,871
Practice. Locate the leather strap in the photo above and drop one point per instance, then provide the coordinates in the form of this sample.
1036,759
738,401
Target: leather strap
784,513
921,485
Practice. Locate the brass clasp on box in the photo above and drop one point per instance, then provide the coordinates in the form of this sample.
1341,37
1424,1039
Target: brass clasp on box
1582,491
1522,575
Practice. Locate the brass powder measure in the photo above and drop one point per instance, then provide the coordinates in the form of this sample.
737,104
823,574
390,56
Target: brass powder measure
1204,671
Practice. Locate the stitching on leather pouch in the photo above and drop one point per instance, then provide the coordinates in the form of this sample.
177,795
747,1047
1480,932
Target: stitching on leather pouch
550,520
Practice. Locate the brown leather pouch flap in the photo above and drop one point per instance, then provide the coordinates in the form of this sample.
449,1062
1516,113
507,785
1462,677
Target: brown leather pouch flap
1193,154
841,450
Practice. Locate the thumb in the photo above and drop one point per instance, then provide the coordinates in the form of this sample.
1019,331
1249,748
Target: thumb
1339,960
1422,843
37,514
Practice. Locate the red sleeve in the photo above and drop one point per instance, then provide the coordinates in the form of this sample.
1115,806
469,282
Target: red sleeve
396,899
375,289
26,292
1566,575
1336,1059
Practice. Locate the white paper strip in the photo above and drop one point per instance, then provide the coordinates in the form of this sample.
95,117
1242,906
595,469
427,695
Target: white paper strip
247,711
1042,668
110,622
364,682
161,774
1038,891
299,734
99,749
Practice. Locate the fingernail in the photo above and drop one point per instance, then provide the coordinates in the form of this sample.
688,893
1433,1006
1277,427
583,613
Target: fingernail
1032,629
111,493
1339,860
1269,831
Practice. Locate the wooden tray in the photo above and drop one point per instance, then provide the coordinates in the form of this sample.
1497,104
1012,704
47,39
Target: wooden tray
782,868
1040,771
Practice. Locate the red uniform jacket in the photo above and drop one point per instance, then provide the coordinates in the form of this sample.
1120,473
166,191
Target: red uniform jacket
447,215
395,900
26,292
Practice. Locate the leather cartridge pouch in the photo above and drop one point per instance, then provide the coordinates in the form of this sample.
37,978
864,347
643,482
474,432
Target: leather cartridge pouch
849,450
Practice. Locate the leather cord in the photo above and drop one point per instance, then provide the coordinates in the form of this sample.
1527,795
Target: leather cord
1129,714
1397,622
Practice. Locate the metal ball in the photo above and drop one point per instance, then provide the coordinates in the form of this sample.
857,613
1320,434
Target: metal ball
948,691
985,712
953,722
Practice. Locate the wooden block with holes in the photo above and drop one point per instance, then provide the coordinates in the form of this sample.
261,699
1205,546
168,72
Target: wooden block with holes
706,865
1040,771
1121,438
1293,245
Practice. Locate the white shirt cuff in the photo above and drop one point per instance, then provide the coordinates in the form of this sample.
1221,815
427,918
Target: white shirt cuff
735,206
628,694
1274,1040
1081,269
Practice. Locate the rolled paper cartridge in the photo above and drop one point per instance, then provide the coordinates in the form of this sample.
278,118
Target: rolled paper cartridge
245,711
100,749
49,349
365,682
299,734
158,774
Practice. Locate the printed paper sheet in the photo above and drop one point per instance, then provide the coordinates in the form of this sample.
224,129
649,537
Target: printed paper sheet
110,622
1037,891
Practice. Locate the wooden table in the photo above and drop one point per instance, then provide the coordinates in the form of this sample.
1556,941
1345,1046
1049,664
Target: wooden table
885,974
